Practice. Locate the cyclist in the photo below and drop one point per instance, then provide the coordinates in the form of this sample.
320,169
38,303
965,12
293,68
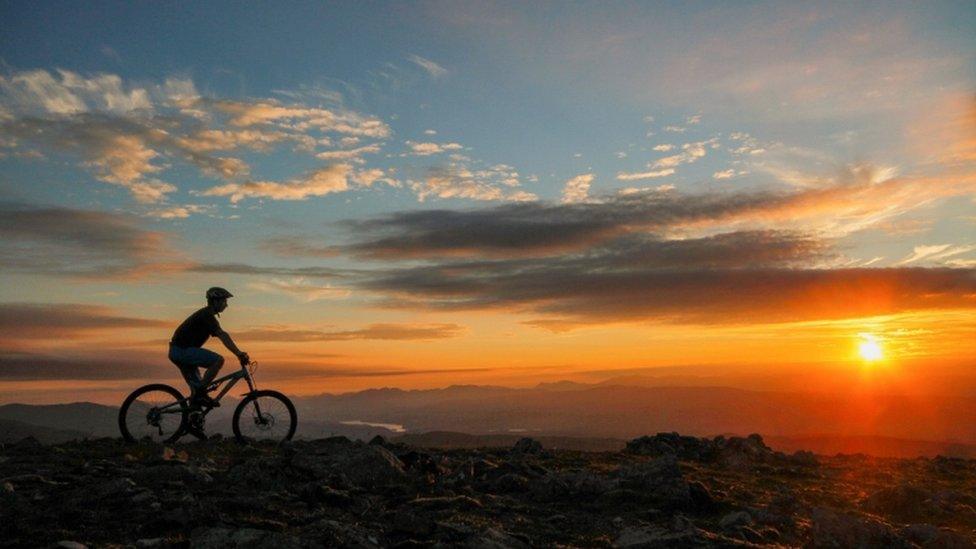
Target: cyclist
185,348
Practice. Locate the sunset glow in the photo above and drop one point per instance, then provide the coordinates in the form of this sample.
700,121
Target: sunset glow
869,349
765,196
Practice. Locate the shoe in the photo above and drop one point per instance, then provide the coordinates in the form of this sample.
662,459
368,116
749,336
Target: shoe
197,432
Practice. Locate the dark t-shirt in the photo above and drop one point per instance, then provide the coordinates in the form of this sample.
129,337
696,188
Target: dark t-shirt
196,329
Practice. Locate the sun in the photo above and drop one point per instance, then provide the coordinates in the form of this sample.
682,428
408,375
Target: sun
869,348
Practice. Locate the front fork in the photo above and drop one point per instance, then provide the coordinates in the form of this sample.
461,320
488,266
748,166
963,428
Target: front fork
252,388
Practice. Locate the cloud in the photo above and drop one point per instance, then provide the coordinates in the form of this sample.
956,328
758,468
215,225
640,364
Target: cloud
130,135
690,153
354,155
427,149
738,277
398,332
291,246
121,151
302,118
73,242
724,174
431,67
935,252
624,176
665,147
257,270
577,189
178,212
63,321
331,179
300,288
836,209
69,93
31,366
456,180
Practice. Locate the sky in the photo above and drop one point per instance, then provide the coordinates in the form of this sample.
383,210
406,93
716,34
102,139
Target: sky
419,194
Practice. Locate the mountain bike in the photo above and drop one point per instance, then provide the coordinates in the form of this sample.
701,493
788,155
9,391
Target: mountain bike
161,413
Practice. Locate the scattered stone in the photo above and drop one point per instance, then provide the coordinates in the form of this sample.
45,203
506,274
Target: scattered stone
735,519
528,446
172,455
835,529
227,538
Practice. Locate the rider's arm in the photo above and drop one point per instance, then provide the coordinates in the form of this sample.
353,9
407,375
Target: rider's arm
231,346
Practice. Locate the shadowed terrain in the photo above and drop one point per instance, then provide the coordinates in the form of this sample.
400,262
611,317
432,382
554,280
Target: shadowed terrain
661,491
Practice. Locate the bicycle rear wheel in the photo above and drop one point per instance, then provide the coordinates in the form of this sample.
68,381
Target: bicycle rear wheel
265,415
155,412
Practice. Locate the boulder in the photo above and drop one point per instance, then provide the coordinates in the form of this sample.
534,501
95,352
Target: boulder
230,538
528,446
835,529
659,481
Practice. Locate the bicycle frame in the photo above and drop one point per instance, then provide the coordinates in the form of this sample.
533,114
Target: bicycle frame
230,380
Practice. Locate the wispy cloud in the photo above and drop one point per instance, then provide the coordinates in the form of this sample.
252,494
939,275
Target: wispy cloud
428,148
84,243
399,332
63,320
431,67
625,176
301,288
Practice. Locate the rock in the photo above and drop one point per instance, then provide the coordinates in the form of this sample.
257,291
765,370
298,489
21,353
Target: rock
408,522
65,544
803,458
115,488
701,498
7,487
927,535
363,465
27,444
262,473
377,440
636,537
149,542
452,502
735,519
902,503
172,455
510,483
493,538
834,529
321,493
682,447
659,481
528,446
332,533
227,538
170,472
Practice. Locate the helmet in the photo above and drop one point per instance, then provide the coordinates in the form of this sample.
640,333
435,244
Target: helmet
218,293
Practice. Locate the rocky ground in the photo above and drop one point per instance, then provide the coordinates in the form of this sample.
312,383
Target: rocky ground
662,491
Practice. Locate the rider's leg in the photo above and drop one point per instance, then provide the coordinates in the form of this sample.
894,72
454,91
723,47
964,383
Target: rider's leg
211,373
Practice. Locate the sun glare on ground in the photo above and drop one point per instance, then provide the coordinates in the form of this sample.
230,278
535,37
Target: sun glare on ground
869,348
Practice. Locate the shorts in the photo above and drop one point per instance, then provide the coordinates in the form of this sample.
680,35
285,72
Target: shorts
189,360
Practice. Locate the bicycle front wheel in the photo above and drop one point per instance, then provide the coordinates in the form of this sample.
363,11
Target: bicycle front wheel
155,412
265,415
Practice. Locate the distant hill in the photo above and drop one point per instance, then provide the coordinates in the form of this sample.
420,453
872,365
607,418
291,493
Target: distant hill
92,420
447,439
625,412
13,431
875,446
569,413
